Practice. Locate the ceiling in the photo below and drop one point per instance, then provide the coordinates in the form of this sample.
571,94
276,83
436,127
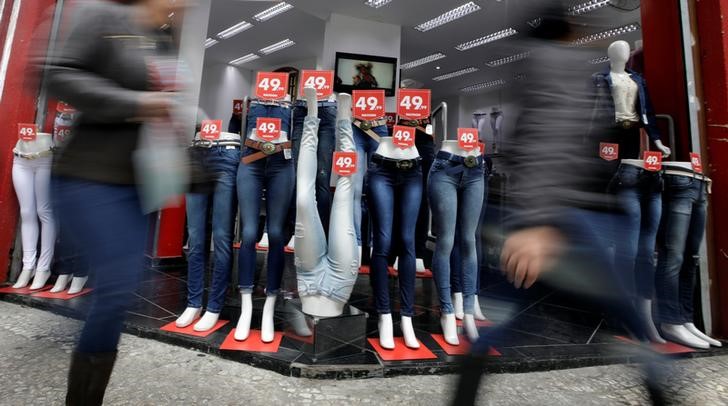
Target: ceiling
305,24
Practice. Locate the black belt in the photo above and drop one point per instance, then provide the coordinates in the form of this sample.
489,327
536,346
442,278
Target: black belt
399,164
627,125
215,143
467,161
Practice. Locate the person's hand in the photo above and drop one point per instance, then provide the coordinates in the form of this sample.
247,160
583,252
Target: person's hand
153,105
528,253
666,151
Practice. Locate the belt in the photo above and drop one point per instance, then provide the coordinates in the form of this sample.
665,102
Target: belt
33,155
467,161
211,143
399,164
280,103
265,149
627,124
367,126
321,103
419,124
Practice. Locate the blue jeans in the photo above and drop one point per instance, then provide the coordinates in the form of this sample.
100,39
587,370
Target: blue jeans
456,200
111,231
640,196
390,191
223,162
365,149
324,154
681,234
426,148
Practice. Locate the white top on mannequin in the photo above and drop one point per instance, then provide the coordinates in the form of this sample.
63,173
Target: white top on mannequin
675,164
224,136
43,142
624,89
387,149
453,147
281,139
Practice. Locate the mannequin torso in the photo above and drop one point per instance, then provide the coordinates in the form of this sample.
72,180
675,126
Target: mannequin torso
387,149
452,147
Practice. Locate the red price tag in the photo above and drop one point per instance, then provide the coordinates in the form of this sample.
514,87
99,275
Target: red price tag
481,145
62,132
210,130
468,138
696,162
413,104
608,152
271,85
62,107
344,163
27,132
653,160
368,104
403,136
268,129
321,80
391,119
237,107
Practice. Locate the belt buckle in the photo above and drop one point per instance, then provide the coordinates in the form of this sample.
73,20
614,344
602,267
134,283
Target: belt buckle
405,165
204,143
365,125
627,124
470,162
268,148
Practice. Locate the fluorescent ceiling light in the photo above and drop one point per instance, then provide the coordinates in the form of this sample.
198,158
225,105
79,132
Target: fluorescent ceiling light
614,32
210,42
234,30
484,85
587,7
267,14
277,46
455,74
244,59
599,61
422,61
486,39
508,59
377,3
450,16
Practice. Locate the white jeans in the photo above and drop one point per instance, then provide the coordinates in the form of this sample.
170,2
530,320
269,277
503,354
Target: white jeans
329,270
32,182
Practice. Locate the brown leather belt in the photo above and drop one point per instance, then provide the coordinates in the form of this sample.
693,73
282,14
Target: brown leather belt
418,124
627,124
367,126
265,149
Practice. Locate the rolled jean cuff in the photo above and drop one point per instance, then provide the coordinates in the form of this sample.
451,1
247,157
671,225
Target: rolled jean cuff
447,309
317,291
194,305
246,289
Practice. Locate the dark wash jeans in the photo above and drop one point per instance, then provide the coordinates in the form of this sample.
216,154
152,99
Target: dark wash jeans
681,234
393,191
456,199
110,231
222,161
365,149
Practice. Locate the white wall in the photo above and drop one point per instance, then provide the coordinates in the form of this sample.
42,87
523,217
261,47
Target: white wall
221,84
483,103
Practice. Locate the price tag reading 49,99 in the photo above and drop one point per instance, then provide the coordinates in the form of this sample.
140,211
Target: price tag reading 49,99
608,152
696,162
237,107
27,132
268,129
653,161
271,85
210,130
403,136
468,138
413,104
321,80
344,163
368,104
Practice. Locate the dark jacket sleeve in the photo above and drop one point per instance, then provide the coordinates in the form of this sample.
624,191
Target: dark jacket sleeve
651,126
74,70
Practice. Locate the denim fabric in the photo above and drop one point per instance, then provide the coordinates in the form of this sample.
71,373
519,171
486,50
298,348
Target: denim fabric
224,163
390,192
365,149
110,229
426,148
681,234
640,196
324,153
258,110
456,198
272,178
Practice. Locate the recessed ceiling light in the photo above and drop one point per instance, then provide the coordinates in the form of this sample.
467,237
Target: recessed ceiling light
234,30
484,85
508,59
377,3
587,7
449,16
267,14
210,42
455,74
244,59
599,61
277,46
437,67
486,39
614,32
422,61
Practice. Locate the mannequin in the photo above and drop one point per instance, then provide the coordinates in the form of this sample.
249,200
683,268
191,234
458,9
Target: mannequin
31,179
326,271
272,174
679,244
395,183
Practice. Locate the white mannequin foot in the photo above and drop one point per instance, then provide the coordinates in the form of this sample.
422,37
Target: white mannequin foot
644,306
207,322
77,284
386,331
40,279
300,327
697,333
292,243
188,316
61,283
242,330
449,329
263,243
343,109
471,330
477,311
457,302
24,278
267,327
679,334
408,331
419,265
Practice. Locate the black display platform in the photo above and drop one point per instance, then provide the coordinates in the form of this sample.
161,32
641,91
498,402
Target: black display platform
553,332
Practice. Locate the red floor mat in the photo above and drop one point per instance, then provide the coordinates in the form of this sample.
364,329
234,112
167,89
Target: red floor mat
401,352
189,330
252,343
23,291
667,348
61,295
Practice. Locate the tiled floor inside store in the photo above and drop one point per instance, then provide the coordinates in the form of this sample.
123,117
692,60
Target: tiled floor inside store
553,331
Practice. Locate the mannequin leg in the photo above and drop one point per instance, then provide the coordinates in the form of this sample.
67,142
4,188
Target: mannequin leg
470,202
645,266
250,193
443,203
456,277
267,329
326,146
279,181
61,283
697,333
24,183
77,284
48,224
196,207
242,330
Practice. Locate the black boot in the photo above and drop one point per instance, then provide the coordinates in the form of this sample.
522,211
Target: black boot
87,378
472,370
